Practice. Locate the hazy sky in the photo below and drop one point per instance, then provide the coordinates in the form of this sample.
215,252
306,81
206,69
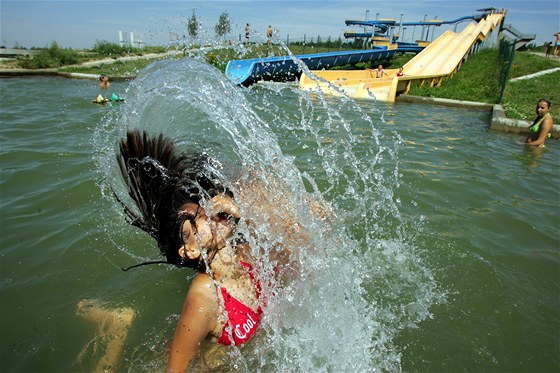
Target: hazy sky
79,24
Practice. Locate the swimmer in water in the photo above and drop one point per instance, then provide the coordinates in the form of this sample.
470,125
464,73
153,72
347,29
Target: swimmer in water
104,82
539,131
184,204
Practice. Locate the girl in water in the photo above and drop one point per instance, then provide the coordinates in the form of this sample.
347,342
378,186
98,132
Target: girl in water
183,202
185,206
542,125
104,82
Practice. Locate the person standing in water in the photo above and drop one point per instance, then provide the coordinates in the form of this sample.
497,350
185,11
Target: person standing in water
539,131
104,82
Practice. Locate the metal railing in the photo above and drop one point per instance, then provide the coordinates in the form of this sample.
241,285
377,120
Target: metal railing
507,53
517,33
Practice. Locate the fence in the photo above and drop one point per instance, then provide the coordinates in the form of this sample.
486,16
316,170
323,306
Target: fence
319,44
507,53
311,43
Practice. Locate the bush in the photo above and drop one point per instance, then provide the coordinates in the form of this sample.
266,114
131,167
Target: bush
51,57
107,49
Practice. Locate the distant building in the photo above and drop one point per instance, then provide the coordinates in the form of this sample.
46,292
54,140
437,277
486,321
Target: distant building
131,39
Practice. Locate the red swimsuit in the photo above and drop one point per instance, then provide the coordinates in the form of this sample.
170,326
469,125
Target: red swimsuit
242,321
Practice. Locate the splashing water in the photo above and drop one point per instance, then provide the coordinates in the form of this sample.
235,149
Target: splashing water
329,171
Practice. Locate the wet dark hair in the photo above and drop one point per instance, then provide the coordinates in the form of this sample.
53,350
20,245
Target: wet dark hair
102,76
160,181
544,100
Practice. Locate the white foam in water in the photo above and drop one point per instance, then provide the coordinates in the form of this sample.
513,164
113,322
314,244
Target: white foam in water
361,280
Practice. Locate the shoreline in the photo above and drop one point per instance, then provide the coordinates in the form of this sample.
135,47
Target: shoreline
499,123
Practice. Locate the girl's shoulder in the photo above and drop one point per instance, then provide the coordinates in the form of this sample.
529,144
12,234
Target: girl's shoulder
203,286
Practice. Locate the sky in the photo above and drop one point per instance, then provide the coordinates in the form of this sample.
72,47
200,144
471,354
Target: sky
79,24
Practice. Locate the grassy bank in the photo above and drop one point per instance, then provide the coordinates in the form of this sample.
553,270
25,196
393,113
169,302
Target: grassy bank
128,68
477,80
521,96
220,58
55,56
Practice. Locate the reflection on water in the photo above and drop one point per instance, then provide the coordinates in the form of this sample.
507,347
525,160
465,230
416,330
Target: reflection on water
440,249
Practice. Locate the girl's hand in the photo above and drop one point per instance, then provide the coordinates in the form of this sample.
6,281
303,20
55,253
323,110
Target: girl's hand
224,205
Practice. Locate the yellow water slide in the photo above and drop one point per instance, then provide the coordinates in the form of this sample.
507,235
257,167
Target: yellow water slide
440,59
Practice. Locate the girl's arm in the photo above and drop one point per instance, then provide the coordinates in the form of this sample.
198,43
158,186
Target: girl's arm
545,129
198,319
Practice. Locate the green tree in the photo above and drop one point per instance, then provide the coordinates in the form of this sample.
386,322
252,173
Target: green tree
223,26
193,25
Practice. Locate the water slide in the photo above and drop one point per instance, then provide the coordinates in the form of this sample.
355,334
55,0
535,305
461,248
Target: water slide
440,59
381,26
285,68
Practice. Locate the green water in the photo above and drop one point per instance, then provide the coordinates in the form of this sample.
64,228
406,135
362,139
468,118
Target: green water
471,247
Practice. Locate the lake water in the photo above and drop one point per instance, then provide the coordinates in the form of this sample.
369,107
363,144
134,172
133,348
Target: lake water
442,253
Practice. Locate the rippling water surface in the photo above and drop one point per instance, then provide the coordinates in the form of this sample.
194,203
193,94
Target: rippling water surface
442,253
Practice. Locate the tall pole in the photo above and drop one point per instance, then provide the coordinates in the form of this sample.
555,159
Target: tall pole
423,28
377,19
400,28
365,19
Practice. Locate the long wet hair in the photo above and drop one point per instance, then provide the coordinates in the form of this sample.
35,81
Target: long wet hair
160,181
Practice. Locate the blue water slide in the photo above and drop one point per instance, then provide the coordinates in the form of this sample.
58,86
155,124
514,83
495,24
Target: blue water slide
380,26
438,22
352,34
284,68
408,47
384,25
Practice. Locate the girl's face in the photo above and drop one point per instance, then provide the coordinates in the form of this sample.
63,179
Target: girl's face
208,230
542,108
